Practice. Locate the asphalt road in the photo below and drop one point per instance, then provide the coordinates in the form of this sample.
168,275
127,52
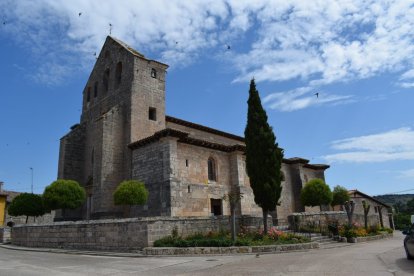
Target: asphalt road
383,257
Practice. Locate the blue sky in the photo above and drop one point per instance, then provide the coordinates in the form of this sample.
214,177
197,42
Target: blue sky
358,55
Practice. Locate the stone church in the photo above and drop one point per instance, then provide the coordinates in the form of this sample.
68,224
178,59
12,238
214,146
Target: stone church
124,133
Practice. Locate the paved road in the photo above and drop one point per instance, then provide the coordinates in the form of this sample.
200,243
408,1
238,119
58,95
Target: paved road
384,257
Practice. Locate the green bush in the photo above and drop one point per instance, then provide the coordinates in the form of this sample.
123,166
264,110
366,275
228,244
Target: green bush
131,192
214,239
63,194
316,193
29,205
402,221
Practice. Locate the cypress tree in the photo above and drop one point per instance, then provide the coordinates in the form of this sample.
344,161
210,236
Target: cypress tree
263,156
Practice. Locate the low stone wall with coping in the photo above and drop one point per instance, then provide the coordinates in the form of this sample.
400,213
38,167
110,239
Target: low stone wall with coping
129,235
161,251
306,219
4,234
370,238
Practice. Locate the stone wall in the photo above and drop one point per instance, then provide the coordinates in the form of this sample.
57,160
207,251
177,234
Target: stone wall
4,234
117,235
298,220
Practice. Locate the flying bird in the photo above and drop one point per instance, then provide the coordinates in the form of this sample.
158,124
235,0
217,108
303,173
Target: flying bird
317,94
228,47
80,14
4,22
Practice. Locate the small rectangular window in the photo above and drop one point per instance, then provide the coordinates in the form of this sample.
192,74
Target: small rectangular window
88,95
186,162
152,114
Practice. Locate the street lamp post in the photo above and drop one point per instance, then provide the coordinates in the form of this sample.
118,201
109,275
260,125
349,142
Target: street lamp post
32,178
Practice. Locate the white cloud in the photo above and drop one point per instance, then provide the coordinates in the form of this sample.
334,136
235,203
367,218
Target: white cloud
302,98
396,144
319,42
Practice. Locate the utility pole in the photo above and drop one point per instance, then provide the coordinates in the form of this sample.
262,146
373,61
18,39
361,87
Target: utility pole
32,178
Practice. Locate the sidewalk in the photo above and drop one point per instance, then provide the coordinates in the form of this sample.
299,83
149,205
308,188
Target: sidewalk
72,251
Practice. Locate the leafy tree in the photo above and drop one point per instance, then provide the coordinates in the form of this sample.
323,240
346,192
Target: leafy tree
130,192
263,156
339,196
63,194
29,205
316,193
410,206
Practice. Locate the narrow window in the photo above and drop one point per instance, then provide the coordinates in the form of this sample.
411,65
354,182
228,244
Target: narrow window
95,90
88,95
106,80
118,73
186,162
153,73
152,114
92,156
211,169
188,189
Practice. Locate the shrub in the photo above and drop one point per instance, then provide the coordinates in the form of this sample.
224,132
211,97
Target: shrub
130,192
63,194
25,204
339,196
217,239
316,193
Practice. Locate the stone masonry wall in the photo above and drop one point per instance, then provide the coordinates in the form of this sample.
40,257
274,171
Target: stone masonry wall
297,220
151,164
192,191
118,234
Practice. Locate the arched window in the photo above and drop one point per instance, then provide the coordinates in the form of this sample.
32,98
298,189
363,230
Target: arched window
153,73
95,90
106,80
212,174
118,73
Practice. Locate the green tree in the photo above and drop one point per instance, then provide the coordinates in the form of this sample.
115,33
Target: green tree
316,193
64,194
130,192
29,205
339,196
263,156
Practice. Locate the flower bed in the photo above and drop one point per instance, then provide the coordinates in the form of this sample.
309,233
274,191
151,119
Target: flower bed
369,238
244,238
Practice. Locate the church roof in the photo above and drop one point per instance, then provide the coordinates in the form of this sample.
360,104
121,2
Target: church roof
203,128
131,50
183,137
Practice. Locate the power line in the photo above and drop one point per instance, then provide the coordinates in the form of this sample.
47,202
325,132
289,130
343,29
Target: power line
402,191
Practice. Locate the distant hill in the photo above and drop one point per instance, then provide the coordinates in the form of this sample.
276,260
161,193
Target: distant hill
392,199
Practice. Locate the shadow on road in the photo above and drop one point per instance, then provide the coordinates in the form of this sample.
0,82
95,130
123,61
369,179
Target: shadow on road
405,265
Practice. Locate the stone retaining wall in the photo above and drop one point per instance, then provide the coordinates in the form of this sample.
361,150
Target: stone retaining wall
298,220
115,234
369,238
159,251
